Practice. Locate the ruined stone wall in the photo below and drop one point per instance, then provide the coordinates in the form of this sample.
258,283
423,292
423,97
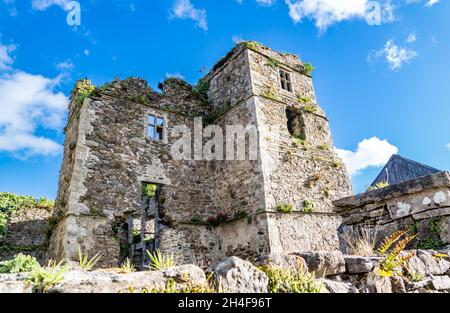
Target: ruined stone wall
26,233
421,205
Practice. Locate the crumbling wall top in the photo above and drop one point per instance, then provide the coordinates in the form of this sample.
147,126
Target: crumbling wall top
441,179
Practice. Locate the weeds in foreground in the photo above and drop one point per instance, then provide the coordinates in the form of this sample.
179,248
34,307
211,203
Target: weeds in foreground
42,278
286,280
158,261
20,264
127,267
86,263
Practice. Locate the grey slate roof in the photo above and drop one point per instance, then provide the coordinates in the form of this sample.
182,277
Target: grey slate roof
399,169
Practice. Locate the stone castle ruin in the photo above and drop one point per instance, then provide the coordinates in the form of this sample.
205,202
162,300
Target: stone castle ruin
119,141
121,192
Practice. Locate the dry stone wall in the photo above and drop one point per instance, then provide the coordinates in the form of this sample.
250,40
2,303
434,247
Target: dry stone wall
421,205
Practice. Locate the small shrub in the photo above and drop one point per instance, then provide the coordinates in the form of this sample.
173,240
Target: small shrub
378,186
285,208
303,99
291,281
136,235
201,90
149,190
310,108
127,266
337,164
323,147
158,261
414,276
270,93
84,89
361,244
253,45
307,69
298,142
42,278
308,206
86,263
20,264
433,241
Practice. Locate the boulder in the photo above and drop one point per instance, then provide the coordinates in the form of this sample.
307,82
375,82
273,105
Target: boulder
415,265
378,284
359,265
111,282
14,283
324,263
434,265
238,276
331,286
440,283
398,284
292,262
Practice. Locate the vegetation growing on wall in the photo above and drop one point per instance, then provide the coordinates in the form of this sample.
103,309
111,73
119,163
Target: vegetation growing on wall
378,186
308,206
391,249
84,89
149,190
20,264
433,241
10,202
307,69
201,90
285,208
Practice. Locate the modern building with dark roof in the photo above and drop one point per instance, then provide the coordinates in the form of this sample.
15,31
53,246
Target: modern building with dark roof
399,169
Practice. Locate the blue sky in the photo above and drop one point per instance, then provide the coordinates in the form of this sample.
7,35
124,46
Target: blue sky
384,87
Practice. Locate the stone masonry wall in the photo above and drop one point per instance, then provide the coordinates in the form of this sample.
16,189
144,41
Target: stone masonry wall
296,172
421,205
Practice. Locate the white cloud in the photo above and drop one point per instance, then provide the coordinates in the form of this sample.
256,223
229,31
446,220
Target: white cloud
27,103
237,39
371,152
448,146
66,65
328,12
393,54
42,5
174,75
5,58
411,38
86,52
183,9
430,3
265,2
